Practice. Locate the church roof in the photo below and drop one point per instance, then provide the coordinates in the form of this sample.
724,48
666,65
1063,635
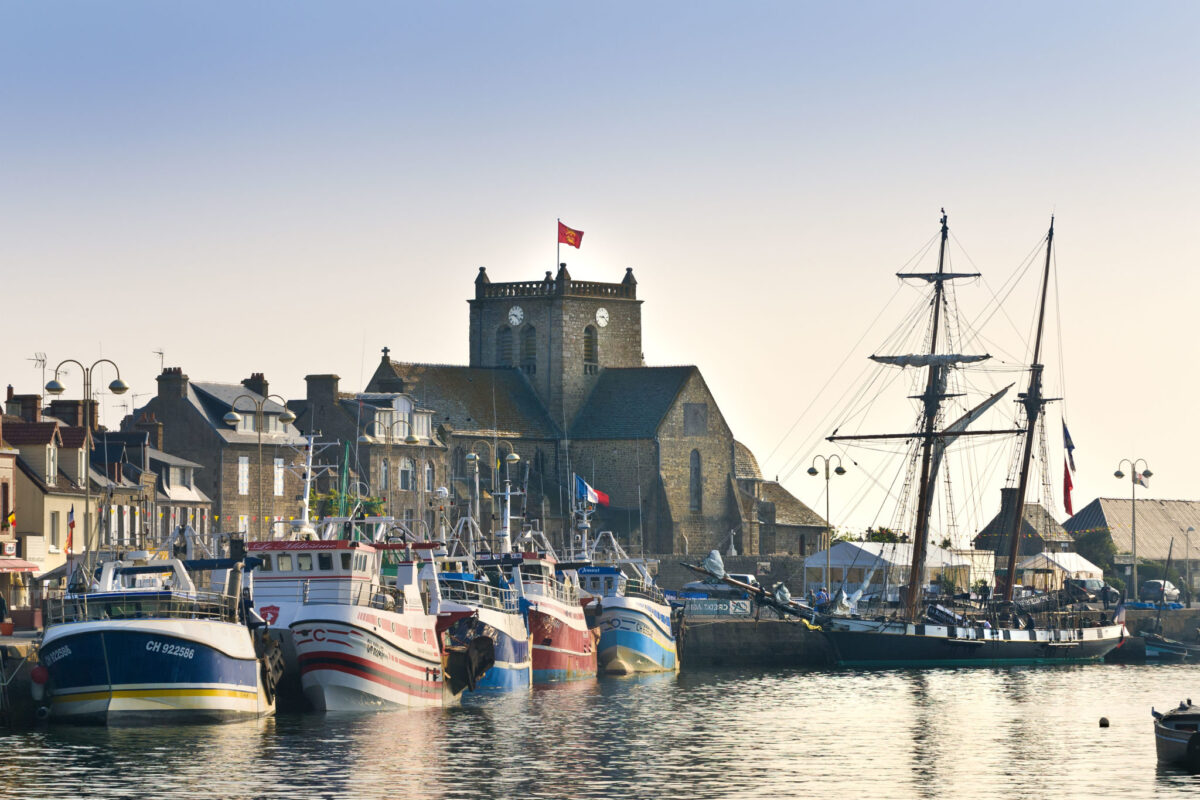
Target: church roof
629,402
788,509
1035,520
1158,521
745,465
480,400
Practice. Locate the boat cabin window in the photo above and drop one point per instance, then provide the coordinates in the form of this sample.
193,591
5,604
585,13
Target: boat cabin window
325,561
304,562
608,585
285,562
346,558
266,563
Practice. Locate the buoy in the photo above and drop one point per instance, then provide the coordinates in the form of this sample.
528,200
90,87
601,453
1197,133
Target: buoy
1104,722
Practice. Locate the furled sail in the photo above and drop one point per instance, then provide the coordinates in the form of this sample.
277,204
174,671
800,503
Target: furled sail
929,359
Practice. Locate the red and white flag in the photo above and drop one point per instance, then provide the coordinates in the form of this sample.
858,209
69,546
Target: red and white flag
569,236
1068,485
588,494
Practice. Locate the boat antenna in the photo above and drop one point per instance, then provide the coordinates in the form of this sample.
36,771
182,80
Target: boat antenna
1033,401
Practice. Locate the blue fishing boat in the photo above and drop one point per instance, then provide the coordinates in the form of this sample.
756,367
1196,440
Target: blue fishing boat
142,644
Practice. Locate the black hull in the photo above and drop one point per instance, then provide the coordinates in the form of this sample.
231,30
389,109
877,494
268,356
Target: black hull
872,648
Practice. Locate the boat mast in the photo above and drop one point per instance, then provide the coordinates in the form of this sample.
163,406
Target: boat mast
1033,402
932,399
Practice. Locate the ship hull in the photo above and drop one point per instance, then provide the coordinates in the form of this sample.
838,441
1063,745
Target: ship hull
142,672
356,659
635,636
564,649
898,644
513,667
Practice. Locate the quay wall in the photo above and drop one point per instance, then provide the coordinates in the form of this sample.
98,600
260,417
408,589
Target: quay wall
744,642
1178,623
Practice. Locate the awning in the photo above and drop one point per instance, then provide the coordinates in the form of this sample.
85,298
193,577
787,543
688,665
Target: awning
17,565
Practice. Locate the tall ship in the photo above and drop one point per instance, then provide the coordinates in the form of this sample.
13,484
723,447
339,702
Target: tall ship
922,631
144,640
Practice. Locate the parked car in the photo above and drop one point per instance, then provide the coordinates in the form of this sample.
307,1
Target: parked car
1158,591
1089,590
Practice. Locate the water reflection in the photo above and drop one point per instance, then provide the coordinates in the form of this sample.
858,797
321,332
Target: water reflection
902,733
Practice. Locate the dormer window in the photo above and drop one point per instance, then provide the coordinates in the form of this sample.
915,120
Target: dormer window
52,465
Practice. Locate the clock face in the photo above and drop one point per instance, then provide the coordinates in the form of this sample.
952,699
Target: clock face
602,317
516,315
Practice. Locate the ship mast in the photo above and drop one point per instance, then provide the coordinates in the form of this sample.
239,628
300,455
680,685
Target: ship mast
1033,401
932,400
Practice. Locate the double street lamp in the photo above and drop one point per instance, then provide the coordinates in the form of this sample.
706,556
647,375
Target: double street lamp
234,419
839,470
56,388
1135,478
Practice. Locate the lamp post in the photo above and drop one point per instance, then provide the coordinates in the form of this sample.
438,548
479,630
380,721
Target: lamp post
1134,479
1187,538
504,541
472,460
55,388
839,470
233,419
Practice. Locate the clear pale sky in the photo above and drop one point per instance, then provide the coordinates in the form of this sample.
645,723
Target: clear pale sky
287,187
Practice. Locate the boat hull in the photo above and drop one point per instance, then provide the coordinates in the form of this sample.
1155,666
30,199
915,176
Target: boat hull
564,649
356,659
898,644
141,672
635,636
513,667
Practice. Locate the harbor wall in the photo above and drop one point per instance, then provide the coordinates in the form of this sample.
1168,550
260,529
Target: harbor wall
744,642
1180,623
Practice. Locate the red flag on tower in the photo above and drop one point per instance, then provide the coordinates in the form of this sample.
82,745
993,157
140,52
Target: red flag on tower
569,236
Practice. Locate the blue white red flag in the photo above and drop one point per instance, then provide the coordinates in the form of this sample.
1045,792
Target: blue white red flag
1119,614
1069,446
588,494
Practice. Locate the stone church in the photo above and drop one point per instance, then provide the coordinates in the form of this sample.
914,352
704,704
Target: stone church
557,376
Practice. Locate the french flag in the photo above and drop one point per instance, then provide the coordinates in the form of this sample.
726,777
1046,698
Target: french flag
588,494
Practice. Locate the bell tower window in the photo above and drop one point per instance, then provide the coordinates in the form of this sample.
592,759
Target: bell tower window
529,350
591,351
504,347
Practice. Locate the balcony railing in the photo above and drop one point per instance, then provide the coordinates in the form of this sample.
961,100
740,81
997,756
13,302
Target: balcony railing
546,288
62,607
475,593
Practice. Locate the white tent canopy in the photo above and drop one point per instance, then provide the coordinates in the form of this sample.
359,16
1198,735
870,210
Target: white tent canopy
1048,570
852,562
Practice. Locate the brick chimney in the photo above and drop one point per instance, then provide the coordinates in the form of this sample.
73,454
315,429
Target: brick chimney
26,406
322,388
256,383
69,411
172,383
149,423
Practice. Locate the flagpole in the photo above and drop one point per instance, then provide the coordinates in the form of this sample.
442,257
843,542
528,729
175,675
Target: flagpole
557,247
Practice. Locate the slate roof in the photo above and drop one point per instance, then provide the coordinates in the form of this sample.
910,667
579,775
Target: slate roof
18,432
174,461
476,400
214,400
788,509
1158,521
629,402
1035,519
745,465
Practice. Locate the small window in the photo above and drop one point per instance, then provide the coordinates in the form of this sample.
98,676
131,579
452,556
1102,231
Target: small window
529,350
430,476
285,562
504,347
324,561
591,351
346,561
304,562
266,563
407,468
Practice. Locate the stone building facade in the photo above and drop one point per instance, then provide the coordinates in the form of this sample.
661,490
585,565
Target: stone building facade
557,376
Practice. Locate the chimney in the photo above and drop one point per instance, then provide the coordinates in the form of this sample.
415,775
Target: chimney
26,406
149,424
172,383
69,411
322,388
256,383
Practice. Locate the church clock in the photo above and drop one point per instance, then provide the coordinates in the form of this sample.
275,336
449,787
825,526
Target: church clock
602,317
516,315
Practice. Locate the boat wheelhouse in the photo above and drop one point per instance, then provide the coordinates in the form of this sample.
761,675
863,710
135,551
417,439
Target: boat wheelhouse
1177,736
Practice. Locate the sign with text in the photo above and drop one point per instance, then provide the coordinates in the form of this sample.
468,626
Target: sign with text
713,607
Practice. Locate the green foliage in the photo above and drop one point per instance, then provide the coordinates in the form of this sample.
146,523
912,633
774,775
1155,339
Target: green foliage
945,582
882,534
1097,547
327,503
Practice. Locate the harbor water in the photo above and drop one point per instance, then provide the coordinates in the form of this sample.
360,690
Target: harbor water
973,733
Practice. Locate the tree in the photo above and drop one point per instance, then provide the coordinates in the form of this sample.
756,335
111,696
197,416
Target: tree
882,534
1097,547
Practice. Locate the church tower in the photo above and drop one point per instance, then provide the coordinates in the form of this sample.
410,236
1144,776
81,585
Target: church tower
560,332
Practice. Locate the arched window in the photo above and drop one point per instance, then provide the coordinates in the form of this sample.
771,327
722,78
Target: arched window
430,476
383,475
591,351
406,477
529,350
504,350
460,463
696,486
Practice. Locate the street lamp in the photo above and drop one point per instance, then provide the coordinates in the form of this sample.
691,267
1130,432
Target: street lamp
233,419
55,388
1134,479
367,438
839,470
505,539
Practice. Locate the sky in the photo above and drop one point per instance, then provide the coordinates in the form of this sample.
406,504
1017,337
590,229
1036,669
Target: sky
287,187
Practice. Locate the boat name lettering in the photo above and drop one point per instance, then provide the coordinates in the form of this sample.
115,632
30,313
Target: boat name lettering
168,649
56,655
